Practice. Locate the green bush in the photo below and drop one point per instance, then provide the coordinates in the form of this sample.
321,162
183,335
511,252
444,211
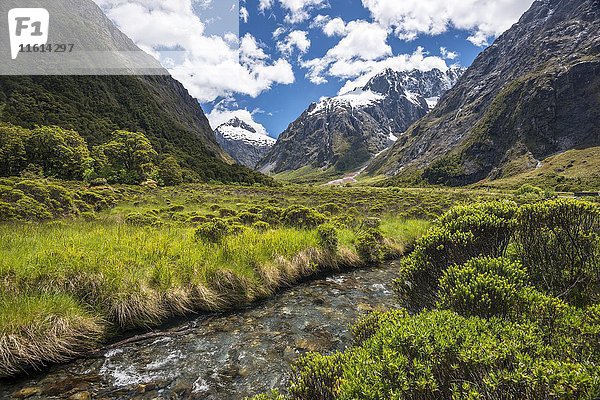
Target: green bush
463,233
531,192
214,231
248,218
558,242
328,237
483,287
143,219
271,215
441,355
302,217
369,245
261,226
316,377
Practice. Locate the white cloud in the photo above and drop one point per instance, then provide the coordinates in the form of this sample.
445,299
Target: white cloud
244,14
208,66
447,54
484,18
297,10
364,42
295,39
221,114
335,27
278,32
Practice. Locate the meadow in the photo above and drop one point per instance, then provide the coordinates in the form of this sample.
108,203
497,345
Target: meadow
80,265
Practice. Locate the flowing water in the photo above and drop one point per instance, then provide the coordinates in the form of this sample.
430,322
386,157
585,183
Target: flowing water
226,356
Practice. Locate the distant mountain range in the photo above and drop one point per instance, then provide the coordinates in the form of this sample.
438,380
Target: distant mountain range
243,142
344,132
534,93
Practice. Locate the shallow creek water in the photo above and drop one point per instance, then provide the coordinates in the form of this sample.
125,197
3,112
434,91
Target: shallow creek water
224,356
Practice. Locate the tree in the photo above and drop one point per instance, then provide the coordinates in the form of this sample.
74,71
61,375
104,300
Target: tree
61,153
13,158
170,171
127,158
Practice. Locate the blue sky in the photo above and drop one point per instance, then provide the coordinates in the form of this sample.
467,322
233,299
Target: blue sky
265,61
284,103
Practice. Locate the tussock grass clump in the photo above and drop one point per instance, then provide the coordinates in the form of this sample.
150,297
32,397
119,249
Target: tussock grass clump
37,330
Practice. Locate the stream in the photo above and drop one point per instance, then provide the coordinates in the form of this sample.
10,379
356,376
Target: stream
223,356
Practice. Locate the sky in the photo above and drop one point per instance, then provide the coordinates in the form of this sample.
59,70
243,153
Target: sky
266,61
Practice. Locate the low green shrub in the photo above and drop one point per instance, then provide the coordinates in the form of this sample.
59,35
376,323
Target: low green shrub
143,219
213,231
558,242
441,355
316,377
328,237
261,226
369,245
463,233
302,217
482,287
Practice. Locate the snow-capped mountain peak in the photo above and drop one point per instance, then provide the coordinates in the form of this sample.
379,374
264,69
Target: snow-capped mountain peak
243,142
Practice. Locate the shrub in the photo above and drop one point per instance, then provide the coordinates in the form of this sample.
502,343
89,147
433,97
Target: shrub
271,215
316,377
483,287
530,191
441,355
248,218
331,208
143,219
213,231
463,233
369,245
302,217
558,241
328,237
261,226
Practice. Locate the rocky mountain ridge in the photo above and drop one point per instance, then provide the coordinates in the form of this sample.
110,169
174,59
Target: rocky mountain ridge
345,132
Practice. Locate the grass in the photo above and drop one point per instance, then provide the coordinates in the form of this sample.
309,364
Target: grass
73,282
571,171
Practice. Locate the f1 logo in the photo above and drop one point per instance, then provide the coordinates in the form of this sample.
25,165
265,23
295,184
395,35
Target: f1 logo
28,26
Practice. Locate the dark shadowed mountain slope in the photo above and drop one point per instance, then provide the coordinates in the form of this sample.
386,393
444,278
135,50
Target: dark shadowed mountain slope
535,92
156,105
346,131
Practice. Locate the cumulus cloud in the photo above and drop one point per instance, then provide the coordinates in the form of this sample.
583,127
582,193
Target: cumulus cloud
363,43
244,14
295,40
297,10
209,66
447,54
410,18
